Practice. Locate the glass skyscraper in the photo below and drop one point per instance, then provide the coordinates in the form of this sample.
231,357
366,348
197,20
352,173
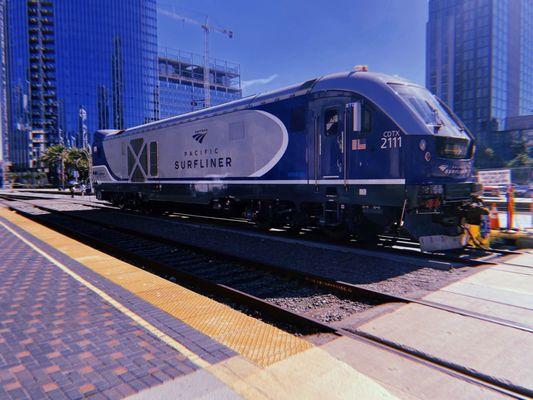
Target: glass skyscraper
75,66
181,82
480,60
4,155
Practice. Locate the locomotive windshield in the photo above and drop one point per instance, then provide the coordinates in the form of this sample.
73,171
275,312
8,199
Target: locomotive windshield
428,107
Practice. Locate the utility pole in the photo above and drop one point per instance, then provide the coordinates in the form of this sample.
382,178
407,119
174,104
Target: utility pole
207,27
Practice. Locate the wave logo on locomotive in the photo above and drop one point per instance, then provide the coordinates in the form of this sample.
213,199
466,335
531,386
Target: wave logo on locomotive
199,135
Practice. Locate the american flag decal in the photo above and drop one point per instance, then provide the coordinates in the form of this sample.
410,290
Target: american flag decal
358,144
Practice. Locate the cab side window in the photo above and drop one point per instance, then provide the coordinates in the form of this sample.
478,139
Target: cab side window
366,123
153,158
331,121
363,113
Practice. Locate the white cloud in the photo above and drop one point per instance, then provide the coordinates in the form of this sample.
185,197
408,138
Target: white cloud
259,81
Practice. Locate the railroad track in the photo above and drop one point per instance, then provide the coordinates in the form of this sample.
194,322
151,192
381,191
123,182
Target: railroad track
393,246
257,287
341,287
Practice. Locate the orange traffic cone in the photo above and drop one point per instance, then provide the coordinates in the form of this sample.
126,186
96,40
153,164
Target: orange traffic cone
494,219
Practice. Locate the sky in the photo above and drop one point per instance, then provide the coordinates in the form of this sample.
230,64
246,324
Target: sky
278,43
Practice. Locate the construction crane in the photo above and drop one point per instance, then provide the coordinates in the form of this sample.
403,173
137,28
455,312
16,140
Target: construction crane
207,28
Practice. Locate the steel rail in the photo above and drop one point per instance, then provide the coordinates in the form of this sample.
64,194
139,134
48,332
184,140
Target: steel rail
354,291
381,247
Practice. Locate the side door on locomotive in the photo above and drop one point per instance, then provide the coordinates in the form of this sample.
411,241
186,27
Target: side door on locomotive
328,161
328,164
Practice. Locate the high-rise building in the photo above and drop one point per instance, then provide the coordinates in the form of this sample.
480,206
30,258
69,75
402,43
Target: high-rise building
480,61
181,82
4,155
75,66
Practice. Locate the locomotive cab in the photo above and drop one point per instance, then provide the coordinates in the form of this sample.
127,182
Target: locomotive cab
439,176
445,148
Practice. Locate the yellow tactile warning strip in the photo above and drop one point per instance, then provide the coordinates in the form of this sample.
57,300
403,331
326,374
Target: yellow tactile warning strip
257,341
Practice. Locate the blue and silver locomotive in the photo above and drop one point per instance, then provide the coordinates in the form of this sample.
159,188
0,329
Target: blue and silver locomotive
353,152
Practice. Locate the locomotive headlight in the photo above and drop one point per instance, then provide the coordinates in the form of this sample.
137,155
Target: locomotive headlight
437,189
431,190
427,156
422,145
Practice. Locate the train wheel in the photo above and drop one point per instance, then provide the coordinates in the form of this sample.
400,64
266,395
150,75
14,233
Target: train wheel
366,232
297,221
368,235
294,228
263,224
336,233
262,216
368,239
119,202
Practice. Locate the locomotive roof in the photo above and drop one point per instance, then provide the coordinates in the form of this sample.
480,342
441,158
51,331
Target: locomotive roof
372,85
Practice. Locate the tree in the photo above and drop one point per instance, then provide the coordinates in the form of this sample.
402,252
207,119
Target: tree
520,152
54,158
54,155
68,160
489,152
486,157
79,160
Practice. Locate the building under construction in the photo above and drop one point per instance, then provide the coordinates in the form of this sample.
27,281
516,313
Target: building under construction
181,82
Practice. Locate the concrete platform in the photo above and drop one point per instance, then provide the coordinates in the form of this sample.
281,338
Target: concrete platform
500,353
77,323
522,239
